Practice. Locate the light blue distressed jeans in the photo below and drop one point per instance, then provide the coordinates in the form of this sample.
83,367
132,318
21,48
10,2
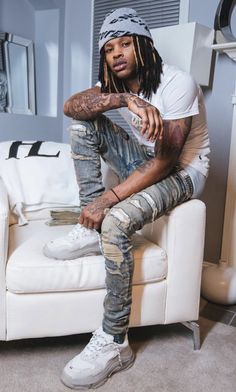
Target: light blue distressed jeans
91,140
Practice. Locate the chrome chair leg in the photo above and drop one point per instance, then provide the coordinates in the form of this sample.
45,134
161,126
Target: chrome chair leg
195,328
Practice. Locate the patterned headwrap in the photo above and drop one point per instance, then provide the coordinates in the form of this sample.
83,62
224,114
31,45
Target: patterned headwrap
121,22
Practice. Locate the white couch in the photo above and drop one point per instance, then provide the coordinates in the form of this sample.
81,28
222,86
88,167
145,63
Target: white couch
41,297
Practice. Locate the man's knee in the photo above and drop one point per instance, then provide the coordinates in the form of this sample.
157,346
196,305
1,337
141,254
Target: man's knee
81,128
113,239
117,220
84,140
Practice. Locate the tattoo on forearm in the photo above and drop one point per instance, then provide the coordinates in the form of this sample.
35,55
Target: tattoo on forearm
175,133
174,137
84,106
146,166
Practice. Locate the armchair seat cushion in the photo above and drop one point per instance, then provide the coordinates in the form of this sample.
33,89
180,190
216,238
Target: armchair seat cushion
29,271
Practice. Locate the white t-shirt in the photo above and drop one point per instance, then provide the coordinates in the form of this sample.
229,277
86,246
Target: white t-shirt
178,96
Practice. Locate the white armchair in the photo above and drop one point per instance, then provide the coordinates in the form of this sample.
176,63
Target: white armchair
41,297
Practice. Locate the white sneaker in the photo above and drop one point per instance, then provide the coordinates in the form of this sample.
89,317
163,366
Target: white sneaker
101,358
78,242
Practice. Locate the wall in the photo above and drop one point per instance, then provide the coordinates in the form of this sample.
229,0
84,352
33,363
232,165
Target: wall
22,18
65,27
47,61
77,72
13,13
218,99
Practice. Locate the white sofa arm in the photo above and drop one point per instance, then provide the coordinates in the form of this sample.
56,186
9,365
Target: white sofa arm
182,234
4,228
4,223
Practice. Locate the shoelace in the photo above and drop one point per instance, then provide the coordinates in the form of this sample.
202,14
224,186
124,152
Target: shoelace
95,345
78,231
97,342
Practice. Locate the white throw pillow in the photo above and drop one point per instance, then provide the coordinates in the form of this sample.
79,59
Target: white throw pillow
38,175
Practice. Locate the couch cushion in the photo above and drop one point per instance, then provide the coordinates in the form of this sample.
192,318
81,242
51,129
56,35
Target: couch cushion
29,271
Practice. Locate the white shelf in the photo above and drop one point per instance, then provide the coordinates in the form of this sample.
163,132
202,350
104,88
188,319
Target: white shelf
195,56
228,48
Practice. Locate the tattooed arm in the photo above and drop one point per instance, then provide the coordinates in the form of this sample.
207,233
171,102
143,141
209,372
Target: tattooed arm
167,152
88,104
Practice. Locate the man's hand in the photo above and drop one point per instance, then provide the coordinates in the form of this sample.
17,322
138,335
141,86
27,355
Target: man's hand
93,214
151,121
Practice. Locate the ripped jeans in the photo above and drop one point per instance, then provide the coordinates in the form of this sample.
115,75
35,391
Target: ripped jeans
91,140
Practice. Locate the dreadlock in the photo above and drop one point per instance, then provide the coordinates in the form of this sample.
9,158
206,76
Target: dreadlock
149,69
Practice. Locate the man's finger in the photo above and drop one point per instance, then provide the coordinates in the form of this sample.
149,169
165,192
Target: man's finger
86,223
81,219
152,126
144,123
161,129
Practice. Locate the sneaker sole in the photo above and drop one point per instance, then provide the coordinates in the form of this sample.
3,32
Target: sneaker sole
89,251
114,367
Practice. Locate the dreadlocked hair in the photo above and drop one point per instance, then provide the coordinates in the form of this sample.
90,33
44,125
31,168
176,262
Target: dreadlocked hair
148,64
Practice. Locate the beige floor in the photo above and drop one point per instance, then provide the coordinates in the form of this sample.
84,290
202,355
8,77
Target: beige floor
165,361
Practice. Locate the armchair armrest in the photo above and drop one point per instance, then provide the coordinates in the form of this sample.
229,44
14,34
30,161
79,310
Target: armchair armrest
4,223
4,228
181,234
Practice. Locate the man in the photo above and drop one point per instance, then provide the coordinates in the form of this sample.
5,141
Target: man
161,162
